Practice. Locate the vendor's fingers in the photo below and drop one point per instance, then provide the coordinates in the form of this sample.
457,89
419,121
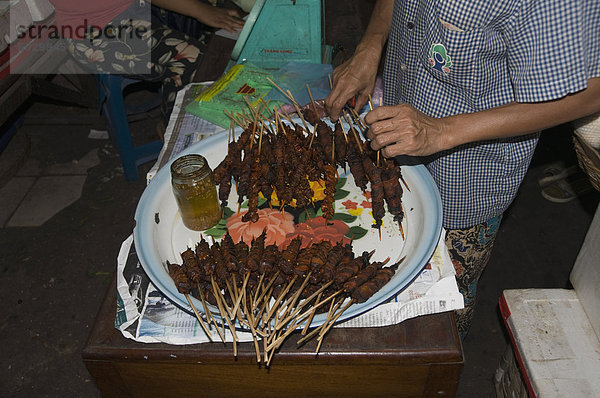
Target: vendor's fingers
234,13
361,100
409,141
382,140
394,150
386,112
382,126
234,24
336,100
345,86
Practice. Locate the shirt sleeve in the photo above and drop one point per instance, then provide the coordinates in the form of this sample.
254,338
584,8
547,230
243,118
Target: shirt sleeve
553,48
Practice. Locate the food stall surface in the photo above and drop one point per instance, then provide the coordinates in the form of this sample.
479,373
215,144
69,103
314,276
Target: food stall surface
55,275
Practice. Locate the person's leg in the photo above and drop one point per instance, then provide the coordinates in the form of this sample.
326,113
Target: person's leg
470,251
159,54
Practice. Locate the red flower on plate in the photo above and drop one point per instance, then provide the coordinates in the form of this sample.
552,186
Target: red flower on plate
318,229
277,224
350,204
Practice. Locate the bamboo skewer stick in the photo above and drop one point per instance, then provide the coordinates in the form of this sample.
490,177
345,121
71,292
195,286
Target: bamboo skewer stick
187,296
330,297
343,131
358,142
324,326
224,315
312,136
312,100
244,116
280,89
315,331
333,149
312,315
287,116
279,123
229,134
370,102
281,338
239,296
318,328
268,286
252,326
260,140
331,323
404,182
233,298
281,296
258,287
252,135
379,151
362,125
308,300
209,314
266,104
289,307
332,309
267,294
233,118
299,111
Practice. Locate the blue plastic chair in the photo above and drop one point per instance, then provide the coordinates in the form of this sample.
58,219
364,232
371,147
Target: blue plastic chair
117,114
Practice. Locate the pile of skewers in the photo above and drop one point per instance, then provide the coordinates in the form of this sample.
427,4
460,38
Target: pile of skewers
273,156
273,292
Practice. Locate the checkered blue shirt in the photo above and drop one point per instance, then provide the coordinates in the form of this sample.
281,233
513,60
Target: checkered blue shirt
447,57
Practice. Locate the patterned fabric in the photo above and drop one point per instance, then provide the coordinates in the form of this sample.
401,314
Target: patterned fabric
73,15
470,250
459,56
158,53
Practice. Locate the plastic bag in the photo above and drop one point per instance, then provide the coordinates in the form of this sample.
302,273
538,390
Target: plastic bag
294,76
229,95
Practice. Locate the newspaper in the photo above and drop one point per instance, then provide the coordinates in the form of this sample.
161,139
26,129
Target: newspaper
145,315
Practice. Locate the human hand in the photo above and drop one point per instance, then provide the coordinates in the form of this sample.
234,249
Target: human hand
403,130
355,76
222,18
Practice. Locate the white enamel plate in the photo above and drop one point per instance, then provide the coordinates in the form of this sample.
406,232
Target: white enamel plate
160,235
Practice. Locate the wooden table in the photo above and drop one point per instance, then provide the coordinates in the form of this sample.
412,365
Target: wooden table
420,357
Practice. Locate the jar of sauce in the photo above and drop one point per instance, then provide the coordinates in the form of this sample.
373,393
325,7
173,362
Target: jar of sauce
195,192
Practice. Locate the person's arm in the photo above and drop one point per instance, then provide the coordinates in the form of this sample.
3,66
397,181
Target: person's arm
402,130
358,74
216,17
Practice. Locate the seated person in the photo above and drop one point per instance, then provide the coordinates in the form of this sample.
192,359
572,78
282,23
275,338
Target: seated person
121,37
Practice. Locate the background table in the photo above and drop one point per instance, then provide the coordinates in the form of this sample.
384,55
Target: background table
420,357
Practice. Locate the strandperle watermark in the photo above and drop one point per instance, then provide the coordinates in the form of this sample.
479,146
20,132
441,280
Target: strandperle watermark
37,48
126,30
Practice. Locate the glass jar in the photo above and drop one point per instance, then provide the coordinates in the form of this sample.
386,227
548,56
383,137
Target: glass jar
195,192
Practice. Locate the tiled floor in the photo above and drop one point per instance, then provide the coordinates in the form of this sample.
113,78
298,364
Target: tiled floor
35,195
